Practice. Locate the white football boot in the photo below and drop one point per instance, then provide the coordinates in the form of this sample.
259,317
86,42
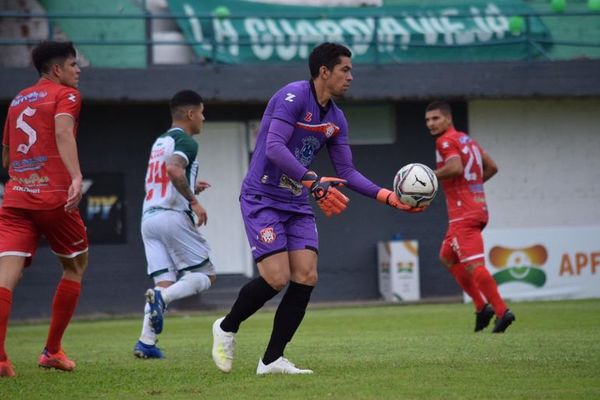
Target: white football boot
223,346
280,366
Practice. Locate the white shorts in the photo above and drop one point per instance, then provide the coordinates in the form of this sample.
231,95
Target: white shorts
173,244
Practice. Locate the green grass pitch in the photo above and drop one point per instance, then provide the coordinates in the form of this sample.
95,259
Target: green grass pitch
391,352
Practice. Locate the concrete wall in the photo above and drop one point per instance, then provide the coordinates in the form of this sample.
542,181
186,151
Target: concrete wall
549,169
116,138
548,152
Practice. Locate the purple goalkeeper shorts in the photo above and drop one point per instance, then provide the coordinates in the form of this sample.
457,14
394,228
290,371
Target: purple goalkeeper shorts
273,226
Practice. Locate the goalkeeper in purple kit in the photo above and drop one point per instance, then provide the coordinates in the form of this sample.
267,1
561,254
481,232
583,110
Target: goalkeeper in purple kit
300,119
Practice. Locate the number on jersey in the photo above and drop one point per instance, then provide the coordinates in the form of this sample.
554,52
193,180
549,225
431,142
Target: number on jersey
473,162
157,179
27,129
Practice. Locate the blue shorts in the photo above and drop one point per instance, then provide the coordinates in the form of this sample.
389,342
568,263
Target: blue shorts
273,226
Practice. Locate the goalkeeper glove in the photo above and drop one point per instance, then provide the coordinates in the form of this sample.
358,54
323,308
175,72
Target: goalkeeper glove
388,197
323,189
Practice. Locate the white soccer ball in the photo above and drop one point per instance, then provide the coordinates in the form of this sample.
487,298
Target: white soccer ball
415,185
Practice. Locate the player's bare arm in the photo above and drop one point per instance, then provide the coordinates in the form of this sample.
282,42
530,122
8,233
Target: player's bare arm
451,169
176,172
489,166
67,148
5,157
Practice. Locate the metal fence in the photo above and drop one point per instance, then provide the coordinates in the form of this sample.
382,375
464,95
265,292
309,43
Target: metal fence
521,25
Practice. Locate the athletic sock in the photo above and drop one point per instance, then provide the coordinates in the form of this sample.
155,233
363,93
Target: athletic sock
147,336
190,284
467,283
487,285
5,306
251,298
288,317
63,308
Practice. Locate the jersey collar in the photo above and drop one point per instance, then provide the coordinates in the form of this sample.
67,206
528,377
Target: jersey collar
449,131
176,128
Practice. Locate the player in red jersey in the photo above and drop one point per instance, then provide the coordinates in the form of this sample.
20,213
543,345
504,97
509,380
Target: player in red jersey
43,192
462,167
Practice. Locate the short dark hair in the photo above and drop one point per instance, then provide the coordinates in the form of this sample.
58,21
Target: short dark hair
326,54
439,105
47,53
184,98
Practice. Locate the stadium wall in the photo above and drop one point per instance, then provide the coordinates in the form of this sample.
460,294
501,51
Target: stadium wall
116,278
548,154
124,110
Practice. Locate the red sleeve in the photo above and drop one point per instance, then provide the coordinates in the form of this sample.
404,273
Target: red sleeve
6,134
68,102
447,148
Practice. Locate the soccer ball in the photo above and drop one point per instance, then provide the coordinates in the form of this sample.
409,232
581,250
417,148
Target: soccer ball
415,185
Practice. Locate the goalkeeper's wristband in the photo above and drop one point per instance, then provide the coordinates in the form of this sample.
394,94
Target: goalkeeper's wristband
383,196
309,179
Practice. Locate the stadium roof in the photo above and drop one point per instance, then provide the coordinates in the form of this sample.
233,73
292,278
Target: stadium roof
234,84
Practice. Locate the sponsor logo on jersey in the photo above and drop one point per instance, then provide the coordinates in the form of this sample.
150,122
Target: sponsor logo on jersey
33,180
30,98
290,97
72,97
476,188
293,186
25,189
329,129
267,235
445,145
29,164
519,265
308,116
157,152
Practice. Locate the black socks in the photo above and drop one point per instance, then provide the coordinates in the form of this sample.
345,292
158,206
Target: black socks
288,317
251,298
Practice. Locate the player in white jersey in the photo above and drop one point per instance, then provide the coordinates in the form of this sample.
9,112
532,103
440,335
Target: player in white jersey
176,252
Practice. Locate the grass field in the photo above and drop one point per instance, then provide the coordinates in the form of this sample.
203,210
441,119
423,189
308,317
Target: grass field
393,352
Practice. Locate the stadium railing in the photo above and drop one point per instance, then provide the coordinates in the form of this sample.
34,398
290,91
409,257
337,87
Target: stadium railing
535,43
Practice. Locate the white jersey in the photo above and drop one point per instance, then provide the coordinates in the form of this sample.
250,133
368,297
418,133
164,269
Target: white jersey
160,192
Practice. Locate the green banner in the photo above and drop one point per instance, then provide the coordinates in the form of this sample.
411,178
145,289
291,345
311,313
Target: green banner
237,31
89,29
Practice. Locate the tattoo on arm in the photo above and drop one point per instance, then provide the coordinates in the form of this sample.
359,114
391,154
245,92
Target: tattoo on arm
177,164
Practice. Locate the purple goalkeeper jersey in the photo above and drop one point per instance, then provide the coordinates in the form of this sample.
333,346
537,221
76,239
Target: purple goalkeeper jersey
293,130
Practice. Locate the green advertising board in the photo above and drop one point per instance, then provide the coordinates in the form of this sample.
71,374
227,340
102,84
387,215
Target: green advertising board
237,31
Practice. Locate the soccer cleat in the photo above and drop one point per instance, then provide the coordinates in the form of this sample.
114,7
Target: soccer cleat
142,350
157,308
57,360
6,369
504,322
280,366
483,317
223,346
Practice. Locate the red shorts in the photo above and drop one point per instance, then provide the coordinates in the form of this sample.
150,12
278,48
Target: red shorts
20,231
463,242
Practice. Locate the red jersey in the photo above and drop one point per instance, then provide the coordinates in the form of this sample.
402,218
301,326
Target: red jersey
38,177
464,194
